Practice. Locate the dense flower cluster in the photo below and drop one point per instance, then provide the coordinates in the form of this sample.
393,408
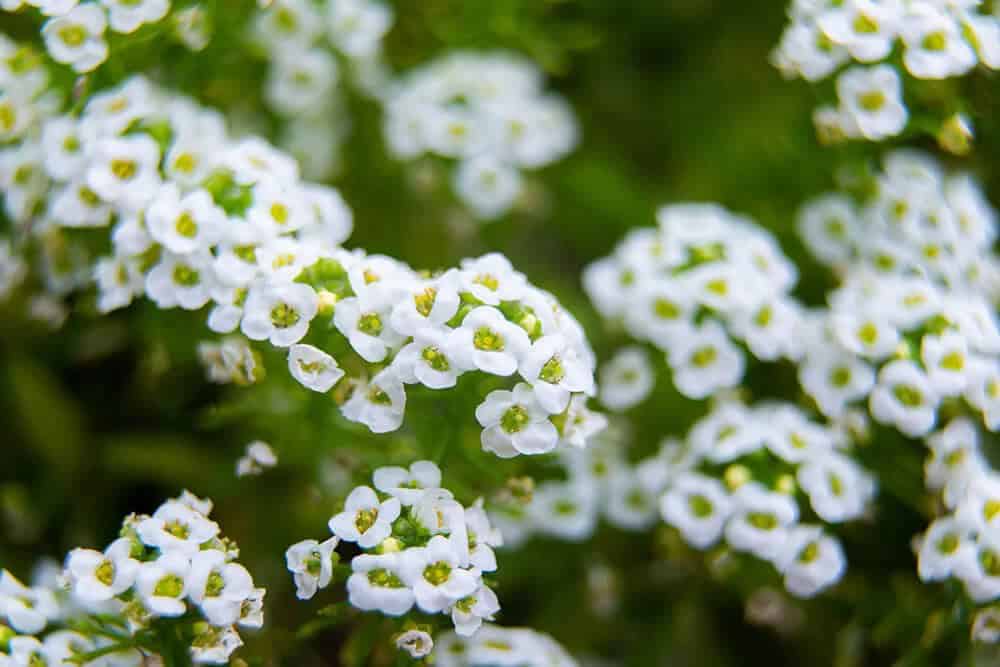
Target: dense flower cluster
913,325
695,287
746,475
75,33
489,112
419,548
302,40
496,645
938,40
106,606
199,220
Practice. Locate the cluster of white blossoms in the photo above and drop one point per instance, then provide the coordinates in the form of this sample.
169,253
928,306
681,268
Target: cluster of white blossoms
965,543
938,39
488,111
302,40
751,475
419,548
74,32
496,645
172,564
104,608
913,326
701,283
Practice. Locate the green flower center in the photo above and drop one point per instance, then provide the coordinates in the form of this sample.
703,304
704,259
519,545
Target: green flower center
437,573
105,572
990,561
170,586
872,101
868,334
424,301
953,361
704,357
435,359
666,309
370,324
840,377
935,41
214,585
185,163
73,35
835,484
284,316
279,213
365,519
384,578
763,317
700,506
247,253
487,280
378,397
515,419
488,340
809,554
186,226
553,371
564,507
865,25
908,395
762,520
123,170
990,509
948,544
177,529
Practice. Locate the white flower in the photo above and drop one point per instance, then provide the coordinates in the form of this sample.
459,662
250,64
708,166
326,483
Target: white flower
365,519
946,358
300,80
279,312
829,226
838,488
935,47
566,510
487,185
630,503
175,527
811,561
181,280
215,645
125,170
869,335
698,507
258,457
556,372
834,379
482,537
626,379
905,398
311,564
161,584
127,15
77,38
252,610
514,422
704,360
313,368
866,28
118,282
487,341
945,544
760,521
795,439
431,304
220,588
376,584
435,575
492,279
27,610
407,485
469,613
581,423
415,643
379,403
872,100
365,323
184,223
807,52
63,147
979,569
427,359
356,27
98,577
984,393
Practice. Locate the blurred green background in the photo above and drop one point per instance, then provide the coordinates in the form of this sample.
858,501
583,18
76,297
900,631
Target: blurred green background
676,102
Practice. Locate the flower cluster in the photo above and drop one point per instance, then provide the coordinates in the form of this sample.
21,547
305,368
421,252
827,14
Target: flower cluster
913,325
938,40
702,282
74,32
173,564
496,645
419,548
302,39
489,112
965,543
